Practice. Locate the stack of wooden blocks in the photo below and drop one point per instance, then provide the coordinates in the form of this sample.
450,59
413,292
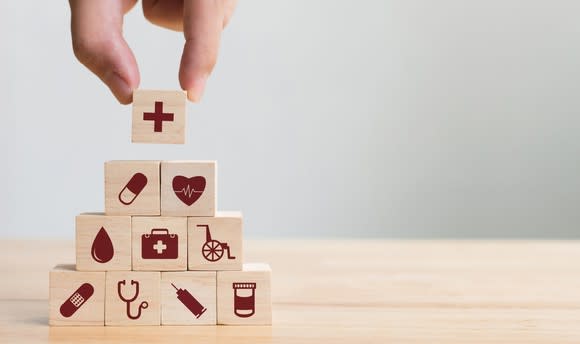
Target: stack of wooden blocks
160,254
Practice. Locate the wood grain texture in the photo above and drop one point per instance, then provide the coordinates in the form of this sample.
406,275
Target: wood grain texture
118,173
227,229
116,312
64,284
173,102
176,226
244,297
118,229
172,205
201,285
347,291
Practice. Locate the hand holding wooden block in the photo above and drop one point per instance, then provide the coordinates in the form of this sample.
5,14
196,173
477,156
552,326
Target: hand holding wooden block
76,298
158,116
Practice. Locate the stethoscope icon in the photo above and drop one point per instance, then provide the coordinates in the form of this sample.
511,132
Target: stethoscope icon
143,304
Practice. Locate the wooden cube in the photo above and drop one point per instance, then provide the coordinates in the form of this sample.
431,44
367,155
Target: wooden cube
133,298
132,188
215,243
243,297
75,297
188,188
103,243
158,116
159,243
188,298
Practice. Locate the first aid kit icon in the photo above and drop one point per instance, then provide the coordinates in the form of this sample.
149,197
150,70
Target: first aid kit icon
159,244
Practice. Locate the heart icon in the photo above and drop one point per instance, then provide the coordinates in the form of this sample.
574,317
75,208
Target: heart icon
188,190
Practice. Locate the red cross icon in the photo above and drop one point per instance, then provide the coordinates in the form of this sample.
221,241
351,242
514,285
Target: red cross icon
158,117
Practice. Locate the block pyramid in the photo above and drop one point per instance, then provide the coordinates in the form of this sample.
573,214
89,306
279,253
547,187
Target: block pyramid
160,254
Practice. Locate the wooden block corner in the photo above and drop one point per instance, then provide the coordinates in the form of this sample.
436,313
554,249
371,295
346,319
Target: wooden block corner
76,298
159,116
188,188
244,297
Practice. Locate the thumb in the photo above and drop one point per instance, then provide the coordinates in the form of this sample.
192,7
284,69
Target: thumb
98,44
202,26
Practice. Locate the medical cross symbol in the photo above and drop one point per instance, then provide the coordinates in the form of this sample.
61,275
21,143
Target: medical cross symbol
160,246
158,117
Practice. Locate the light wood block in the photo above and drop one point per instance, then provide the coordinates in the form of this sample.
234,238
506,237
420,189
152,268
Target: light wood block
158,116
222,249
132,187
103,242
123,286
188,298
159,243
75,297
244,297
188,188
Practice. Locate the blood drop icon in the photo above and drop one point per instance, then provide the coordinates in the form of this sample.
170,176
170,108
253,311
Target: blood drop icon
102,249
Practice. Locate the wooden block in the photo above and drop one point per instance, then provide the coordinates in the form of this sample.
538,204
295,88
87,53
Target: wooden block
159,243
215,243
188,188
103,242
132,188
76,298
158,116
243,297
188,298
132,298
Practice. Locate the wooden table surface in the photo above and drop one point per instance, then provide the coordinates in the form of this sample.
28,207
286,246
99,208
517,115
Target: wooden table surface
348,291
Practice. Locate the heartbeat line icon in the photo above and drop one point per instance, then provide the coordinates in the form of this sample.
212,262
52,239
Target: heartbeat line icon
188,190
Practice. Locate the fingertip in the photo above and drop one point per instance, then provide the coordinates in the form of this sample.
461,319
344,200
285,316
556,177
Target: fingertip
196,90
120,88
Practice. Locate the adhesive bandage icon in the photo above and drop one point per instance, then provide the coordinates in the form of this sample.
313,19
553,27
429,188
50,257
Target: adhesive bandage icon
133,188
76,300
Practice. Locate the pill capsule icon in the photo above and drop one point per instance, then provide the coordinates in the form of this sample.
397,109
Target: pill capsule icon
133,188
76,300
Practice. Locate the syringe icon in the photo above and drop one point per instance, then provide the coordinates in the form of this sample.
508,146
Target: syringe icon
189,301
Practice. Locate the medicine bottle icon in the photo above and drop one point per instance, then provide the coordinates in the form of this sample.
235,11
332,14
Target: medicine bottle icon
244,299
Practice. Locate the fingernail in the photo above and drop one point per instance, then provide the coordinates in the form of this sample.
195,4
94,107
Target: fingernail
196,92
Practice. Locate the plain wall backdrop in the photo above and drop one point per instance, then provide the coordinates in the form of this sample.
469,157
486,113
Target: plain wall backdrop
327,118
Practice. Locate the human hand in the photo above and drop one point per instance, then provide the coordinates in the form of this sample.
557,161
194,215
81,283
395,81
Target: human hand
98,42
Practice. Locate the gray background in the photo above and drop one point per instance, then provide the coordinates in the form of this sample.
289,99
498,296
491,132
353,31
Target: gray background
328,118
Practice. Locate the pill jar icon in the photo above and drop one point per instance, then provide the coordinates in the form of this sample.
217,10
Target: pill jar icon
244,299
133,188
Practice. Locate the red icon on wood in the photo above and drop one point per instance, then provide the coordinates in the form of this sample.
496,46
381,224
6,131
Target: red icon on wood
76,300
159,244
128,301
158,117
244,299
188,190
213,250
102,249
189,301
133,188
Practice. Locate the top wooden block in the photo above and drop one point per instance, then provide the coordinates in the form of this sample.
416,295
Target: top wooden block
158,116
